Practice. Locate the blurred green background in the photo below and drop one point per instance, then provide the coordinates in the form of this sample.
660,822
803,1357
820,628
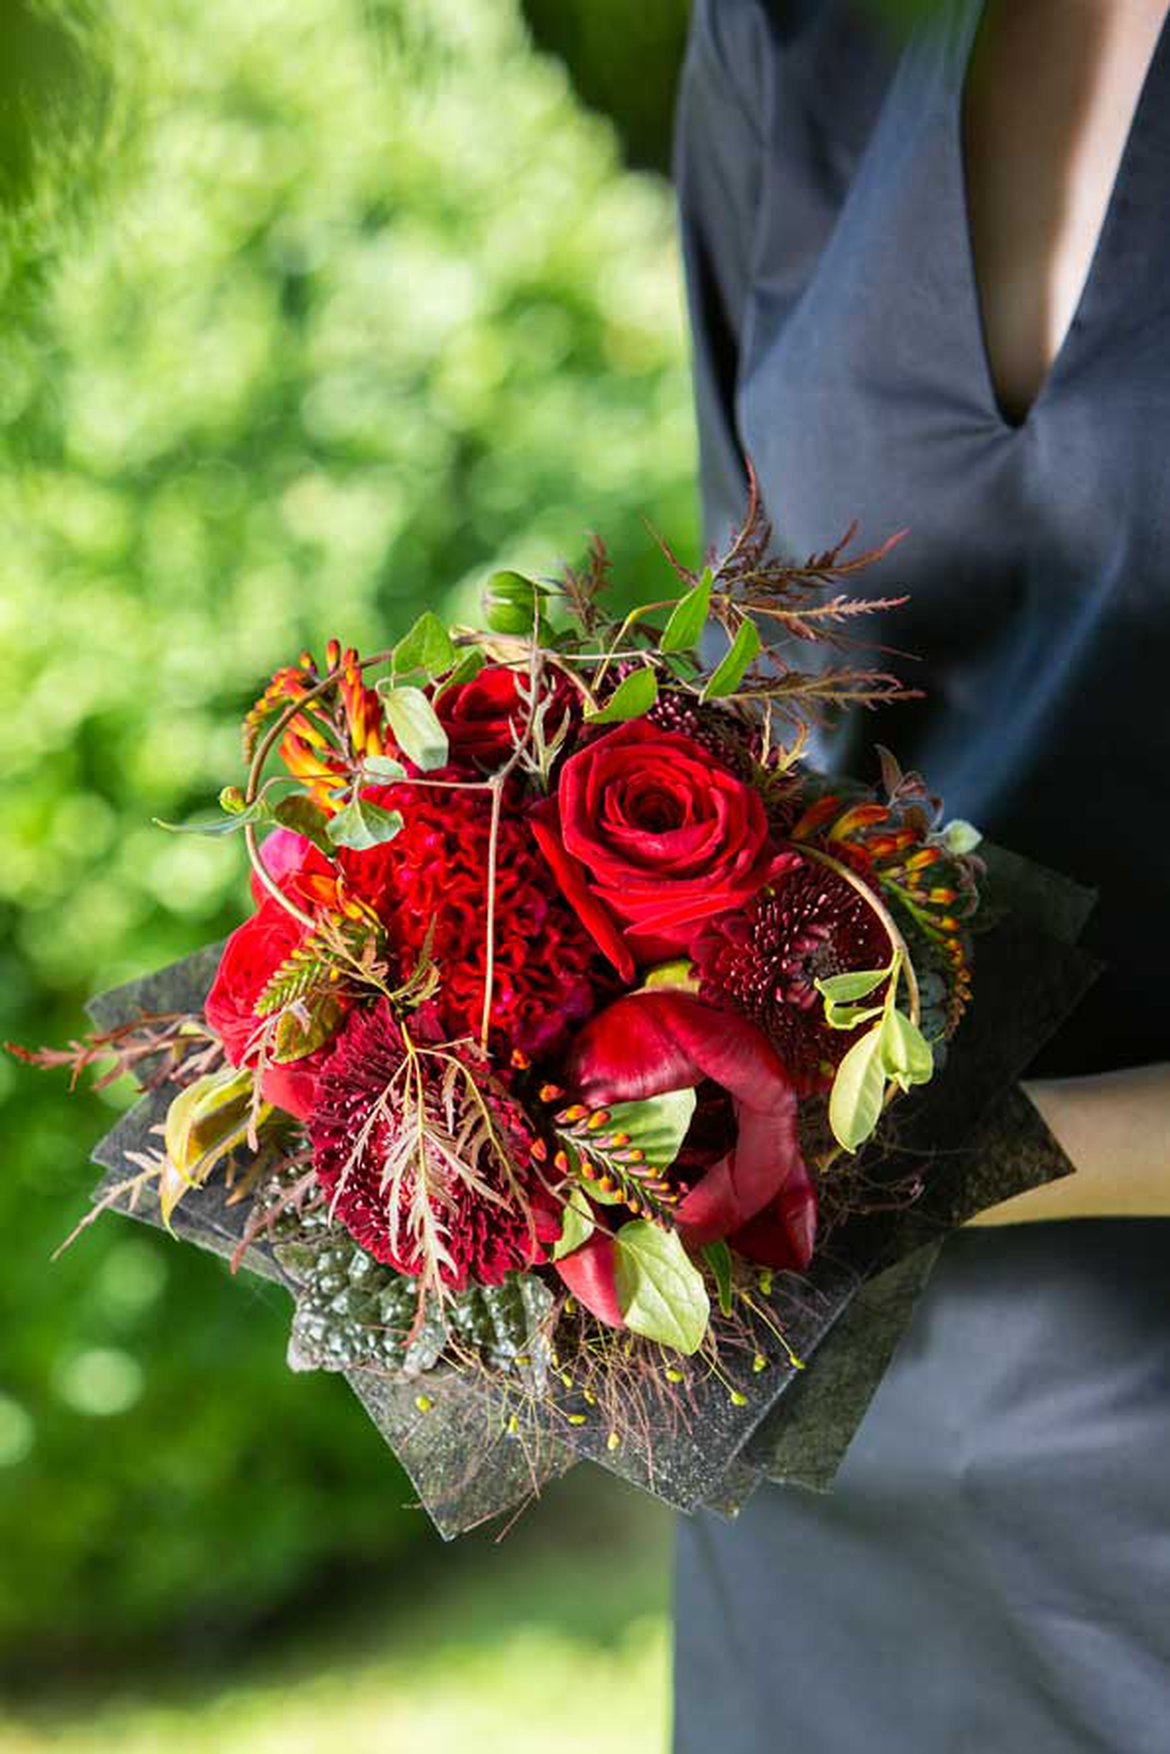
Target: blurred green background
311,313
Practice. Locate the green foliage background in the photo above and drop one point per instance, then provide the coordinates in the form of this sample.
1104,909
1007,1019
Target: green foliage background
314,312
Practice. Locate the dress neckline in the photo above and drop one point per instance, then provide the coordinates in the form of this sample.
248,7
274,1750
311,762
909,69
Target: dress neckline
966,22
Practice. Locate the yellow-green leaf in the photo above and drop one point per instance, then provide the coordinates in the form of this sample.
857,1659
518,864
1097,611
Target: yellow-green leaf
416,727
906,1055
855,1102
660,1290
732,667
688,617
634,695
427,646
204,1123
576,1225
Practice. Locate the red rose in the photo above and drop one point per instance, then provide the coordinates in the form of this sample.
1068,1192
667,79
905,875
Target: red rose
758,1193
484,717
250,958
649,835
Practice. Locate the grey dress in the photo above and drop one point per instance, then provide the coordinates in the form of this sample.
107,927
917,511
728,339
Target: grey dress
991,1572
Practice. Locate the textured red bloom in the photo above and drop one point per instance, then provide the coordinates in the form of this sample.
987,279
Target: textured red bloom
484,717
758,1193
433,877
807,924
453,1201
649,836
250,958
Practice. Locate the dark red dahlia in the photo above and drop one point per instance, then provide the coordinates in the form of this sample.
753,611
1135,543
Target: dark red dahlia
427,1160
764,959
433,877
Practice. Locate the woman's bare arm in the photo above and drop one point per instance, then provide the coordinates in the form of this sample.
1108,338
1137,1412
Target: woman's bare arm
1115,1127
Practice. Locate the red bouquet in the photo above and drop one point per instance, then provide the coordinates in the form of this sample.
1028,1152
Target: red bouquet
569,996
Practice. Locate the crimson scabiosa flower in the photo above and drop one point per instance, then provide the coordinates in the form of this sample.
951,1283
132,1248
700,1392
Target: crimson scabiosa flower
426,1158
765,958
757,1192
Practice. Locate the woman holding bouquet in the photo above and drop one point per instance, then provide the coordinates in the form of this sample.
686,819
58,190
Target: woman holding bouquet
928,288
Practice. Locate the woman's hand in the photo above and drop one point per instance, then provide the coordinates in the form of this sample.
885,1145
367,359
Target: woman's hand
1115,1128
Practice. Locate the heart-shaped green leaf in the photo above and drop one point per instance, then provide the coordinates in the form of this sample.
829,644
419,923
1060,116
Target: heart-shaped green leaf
416,728
660,1290
427,646
732,667
855,1102
576,1225
688,618
362,825
859,983
906,1055
634,695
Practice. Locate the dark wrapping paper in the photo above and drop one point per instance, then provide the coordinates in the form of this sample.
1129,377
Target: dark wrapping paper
475,1446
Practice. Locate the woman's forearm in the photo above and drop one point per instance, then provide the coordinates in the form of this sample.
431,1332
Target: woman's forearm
1115,1128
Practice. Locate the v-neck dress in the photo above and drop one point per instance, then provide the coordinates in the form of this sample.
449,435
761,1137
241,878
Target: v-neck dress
991,1572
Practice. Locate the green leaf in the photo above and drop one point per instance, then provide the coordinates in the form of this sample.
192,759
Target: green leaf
466,670
204,1123
303,1028
660,1290
657,1125
256,812
851,1016
688,618
718,1257
511,603
362,825
427,646
729,672
680,973
302,816
842,989
416,728
961,837
634,695
906,1055
382,767
855,1102
576,1225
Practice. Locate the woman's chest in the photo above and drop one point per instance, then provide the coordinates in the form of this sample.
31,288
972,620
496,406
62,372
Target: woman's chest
1049,101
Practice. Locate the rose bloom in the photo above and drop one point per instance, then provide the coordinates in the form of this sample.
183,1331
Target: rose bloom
252,956
484,717
649,835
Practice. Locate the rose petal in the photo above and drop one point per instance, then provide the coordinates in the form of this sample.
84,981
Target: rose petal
571,877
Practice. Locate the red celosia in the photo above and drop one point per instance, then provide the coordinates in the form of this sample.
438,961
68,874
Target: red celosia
427,1160
432,879
764,959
